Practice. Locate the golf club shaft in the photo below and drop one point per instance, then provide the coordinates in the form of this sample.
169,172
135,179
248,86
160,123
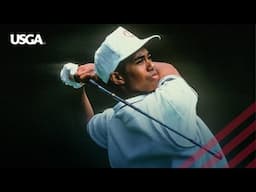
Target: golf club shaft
119,99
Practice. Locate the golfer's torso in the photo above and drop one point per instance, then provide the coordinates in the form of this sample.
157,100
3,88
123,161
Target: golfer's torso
135,140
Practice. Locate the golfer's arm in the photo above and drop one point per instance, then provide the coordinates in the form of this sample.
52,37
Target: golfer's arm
165,69
89,113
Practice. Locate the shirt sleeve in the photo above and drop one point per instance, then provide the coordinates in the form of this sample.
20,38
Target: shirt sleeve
178,93
98,125
178,105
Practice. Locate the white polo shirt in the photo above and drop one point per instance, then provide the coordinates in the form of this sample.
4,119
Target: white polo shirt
135,141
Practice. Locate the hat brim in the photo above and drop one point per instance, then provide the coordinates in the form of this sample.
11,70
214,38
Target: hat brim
140,44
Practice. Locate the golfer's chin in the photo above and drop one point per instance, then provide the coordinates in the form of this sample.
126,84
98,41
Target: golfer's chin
155,83
152,87
148,87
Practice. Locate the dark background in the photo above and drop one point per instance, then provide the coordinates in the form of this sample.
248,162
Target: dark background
42,119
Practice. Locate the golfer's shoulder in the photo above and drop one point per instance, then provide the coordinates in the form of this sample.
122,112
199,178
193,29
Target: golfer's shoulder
165,69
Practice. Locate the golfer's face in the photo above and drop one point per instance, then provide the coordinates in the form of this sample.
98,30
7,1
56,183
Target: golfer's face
141,74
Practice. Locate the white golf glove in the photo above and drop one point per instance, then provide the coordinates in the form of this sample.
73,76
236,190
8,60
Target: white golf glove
67,75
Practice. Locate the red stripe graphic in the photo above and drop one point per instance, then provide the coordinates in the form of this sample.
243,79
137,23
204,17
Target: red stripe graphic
236,122
242,155
221,135
252,164
232,144
198,154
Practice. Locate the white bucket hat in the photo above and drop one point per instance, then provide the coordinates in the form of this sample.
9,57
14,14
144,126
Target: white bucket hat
117,46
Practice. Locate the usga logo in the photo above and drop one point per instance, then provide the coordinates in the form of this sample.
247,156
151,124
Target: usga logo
26,39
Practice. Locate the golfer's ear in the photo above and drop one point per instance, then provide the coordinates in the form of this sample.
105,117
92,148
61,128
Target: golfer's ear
116,78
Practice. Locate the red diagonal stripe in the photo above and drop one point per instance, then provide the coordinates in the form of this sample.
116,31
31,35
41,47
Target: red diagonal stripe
223,133
236,122
232,144
238,139
242,155
252,164
198,154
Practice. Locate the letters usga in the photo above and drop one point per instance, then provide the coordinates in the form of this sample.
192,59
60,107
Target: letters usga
29,39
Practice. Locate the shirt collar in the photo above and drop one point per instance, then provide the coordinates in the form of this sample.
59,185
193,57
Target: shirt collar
167,78
138,98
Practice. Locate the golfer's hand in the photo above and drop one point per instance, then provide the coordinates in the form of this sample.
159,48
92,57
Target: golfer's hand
67,75
85,72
